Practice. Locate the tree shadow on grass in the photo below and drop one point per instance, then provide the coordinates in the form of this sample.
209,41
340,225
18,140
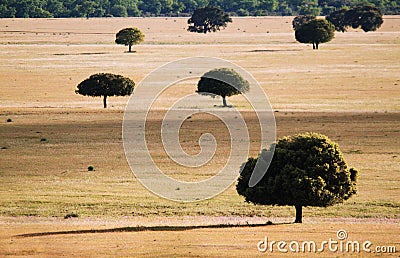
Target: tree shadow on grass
81,54
272,50
144,228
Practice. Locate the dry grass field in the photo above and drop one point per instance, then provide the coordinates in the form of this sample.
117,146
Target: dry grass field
348,90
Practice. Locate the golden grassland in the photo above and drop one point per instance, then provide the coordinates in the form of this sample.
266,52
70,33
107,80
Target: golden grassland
348,90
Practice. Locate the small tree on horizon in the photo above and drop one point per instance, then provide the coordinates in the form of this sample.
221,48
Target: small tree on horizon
129,37
224,82
208,19
316,31
306,170
105,85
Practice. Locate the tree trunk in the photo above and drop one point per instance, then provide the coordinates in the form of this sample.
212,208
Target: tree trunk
313,45
224,101
316,45
299,214
105,101
130,48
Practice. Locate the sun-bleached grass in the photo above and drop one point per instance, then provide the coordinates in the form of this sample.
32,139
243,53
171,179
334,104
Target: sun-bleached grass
347,90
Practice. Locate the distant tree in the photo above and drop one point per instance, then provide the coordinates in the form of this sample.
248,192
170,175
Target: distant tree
150,6
222,82
306,170
268,5
129,37
301,19
105,85
87,8
119,11
368,18
7,11
133,11
316,31
337,19
208,19
309,7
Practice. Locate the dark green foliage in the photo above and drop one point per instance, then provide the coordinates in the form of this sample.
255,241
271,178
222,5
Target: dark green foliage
301,19
9,120
222,82
106,8
337,19
105,85
316,31
90,168
368,18
87,7
306,170
129,37
309,7
119,11
208,19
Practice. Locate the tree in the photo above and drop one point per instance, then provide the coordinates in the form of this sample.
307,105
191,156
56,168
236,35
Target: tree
87,8
222,82
337,19
129,37
369,18
208,19
301,19
309,7
119,11
316,31
306,170
105,85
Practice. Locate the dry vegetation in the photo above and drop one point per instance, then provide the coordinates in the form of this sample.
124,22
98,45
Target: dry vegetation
348,90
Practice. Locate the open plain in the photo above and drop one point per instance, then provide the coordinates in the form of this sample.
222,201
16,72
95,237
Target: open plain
348,90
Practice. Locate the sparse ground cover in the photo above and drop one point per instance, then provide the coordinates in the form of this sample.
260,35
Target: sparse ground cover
348,90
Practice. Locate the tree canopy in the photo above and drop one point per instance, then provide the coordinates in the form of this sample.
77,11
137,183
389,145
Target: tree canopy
306,170
368,18
208,19
337,19
224,82
301,19
129,37
105,85
316,31
120,8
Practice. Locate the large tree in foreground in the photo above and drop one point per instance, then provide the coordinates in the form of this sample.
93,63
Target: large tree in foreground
208,19
222,82
105,85
306,170
129,37
316,31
